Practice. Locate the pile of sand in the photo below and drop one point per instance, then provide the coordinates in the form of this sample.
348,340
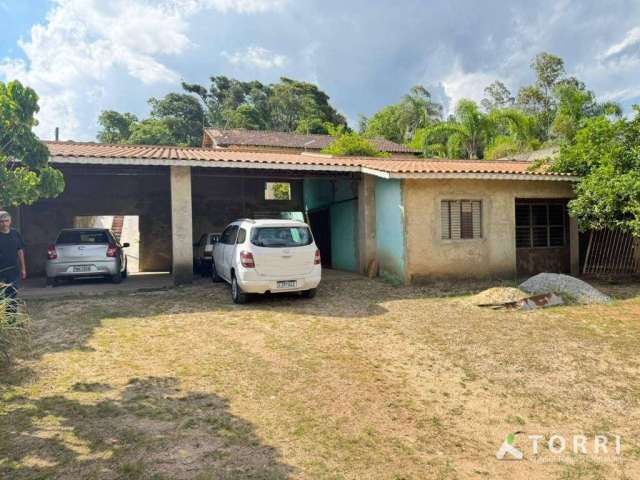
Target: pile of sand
498,295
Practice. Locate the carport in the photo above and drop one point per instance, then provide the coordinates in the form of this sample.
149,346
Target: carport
181,193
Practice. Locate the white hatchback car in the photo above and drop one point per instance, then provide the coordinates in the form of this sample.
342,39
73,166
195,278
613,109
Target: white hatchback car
260,256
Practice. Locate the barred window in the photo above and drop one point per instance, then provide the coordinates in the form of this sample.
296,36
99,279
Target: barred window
461,219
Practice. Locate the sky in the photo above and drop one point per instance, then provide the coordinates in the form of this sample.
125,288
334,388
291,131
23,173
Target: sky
85,56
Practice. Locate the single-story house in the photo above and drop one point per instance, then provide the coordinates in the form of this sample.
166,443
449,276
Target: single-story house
417,219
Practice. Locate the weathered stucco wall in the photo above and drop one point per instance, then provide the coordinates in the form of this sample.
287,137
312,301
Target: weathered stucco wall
494,255
390,238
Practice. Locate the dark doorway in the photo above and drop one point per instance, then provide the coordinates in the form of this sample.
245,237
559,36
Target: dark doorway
320,223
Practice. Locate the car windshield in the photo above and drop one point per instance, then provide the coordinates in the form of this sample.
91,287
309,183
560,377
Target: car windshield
281,237
82,237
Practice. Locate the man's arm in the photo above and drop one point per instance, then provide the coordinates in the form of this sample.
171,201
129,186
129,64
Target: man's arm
22,264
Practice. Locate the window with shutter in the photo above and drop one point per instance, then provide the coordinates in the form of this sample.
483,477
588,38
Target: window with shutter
540,225
461,219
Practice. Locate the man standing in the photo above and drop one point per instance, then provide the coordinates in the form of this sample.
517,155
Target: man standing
12,266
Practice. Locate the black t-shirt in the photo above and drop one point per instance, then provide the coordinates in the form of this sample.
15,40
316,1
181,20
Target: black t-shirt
10,243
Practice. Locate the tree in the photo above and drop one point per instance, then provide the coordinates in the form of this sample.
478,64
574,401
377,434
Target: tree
539,98
606,154
386,123
25,174
151,131
400,122
465,135
115,126
514,132
183,116
497,96
288,105
575,103
353,144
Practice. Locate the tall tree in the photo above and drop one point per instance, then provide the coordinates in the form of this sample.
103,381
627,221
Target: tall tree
25,174
288,105
539,98
182,114
497,96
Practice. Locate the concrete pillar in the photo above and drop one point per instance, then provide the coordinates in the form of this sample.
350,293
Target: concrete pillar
366,221
181,225
574,246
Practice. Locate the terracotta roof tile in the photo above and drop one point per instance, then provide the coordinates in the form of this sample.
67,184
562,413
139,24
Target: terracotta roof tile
384,165
261,138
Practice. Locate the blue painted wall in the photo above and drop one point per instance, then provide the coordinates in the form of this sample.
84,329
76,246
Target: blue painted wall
344,235
390,240
338,197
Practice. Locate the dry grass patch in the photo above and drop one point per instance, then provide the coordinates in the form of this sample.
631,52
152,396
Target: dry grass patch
365,381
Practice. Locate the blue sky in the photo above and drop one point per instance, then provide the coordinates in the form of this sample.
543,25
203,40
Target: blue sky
85,56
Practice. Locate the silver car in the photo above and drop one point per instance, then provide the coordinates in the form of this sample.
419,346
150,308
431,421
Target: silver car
86,252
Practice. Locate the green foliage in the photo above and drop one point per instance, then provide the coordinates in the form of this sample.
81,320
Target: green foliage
287,106
400,122
465,135
176,119
497,96
151,131
386,123
183,116
30,178
116,126
500,147
606,153
353,144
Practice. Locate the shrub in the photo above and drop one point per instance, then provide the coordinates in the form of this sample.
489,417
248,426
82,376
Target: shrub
14,327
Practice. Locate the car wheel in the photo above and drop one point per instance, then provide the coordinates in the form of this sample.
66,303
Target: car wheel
309,293
117,278
215,278
236,294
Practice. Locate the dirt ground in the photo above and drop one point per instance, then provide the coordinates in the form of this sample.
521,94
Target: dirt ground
366,381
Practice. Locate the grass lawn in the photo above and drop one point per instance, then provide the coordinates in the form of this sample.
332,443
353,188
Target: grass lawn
366,381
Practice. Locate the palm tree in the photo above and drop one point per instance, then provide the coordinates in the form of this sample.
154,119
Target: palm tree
418,110
466,133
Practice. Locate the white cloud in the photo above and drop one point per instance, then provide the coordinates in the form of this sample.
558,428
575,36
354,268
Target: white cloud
631,39
256,57
459,84
82,42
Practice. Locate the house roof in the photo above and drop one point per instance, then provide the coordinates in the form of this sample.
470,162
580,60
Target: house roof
259,138
97,153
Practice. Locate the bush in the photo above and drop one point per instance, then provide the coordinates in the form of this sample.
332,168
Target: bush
14,327
352,144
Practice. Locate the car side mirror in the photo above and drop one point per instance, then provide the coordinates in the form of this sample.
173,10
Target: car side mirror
126,244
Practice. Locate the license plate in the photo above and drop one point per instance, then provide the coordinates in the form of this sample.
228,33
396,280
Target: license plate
81,268
287,284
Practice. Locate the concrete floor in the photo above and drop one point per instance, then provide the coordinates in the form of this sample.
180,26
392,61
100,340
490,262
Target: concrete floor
135,282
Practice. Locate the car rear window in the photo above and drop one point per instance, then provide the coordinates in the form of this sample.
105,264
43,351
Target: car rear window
82,237
275,237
